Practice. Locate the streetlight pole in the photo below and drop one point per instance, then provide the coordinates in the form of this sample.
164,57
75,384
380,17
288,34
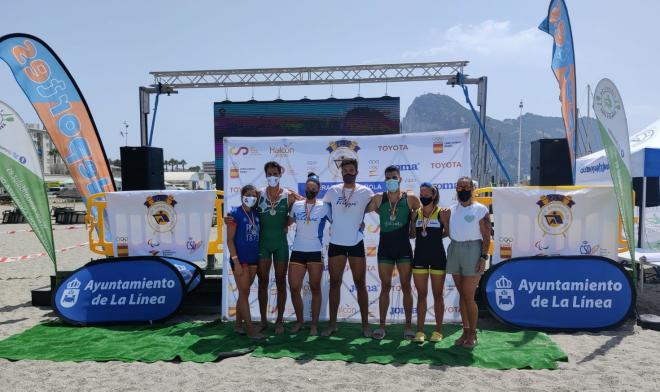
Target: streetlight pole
519,137
124,133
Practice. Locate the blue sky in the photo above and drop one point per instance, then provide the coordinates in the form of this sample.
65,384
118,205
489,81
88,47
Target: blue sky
110,48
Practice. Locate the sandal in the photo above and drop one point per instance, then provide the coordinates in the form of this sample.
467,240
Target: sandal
420,337
472,341
408,334
436,336
379,334
460,341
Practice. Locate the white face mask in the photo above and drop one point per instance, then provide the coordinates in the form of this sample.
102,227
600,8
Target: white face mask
273,180
249,201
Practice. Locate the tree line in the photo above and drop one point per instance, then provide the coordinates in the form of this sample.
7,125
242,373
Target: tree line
168,164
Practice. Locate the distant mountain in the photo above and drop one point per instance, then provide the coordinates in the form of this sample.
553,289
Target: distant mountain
437,112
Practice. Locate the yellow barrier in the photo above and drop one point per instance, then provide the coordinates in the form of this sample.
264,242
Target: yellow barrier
485,197
96,227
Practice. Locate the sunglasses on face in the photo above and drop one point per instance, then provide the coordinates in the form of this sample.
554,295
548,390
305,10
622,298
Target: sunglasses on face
463,188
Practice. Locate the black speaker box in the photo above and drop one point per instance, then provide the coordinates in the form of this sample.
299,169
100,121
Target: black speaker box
550,163
142,168
652,191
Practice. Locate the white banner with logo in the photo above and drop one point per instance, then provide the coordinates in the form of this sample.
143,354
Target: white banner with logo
555,221
161,223
436,157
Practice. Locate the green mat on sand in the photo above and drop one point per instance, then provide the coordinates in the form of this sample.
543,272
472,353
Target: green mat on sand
204,342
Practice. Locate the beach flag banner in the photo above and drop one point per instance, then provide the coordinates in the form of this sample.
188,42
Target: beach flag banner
613,127
436,157
22,177
558,25
161,223
61,107
554,221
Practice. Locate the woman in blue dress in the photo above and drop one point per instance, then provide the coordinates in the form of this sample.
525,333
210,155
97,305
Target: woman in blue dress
243,244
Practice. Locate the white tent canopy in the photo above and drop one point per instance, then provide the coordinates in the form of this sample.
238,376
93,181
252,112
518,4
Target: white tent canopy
189,180
645,159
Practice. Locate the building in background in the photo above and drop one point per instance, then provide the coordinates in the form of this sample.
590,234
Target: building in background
189,180
208,167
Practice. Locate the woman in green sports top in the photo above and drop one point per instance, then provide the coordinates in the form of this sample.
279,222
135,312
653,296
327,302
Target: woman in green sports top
273,208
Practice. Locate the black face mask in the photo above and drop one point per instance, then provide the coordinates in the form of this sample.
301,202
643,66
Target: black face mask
310,195
426,200
348,178
464,196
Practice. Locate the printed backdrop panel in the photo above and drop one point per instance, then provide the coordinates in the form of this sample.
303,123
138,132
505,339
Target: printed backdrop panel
558,221
161,223
436,157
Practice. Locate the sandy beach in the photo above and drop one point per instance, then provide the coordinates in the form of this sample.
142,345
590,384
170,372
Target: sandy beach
622,359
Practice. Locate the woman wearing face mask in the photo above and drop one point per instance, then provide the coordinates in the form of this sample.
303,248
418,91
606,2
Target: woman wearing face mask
469,230
310,216
429,260
274,205
243,244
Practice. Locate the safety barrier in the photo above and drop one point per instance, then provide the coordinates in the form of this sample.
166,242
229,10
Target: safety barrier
485,197
96,225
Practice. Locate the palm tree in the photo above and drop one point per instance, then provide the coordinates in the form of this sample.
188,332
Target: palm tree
183,164
171,162
53,153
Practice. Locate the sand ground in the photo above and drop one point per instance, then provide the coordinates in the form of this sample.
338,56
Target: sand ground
624,359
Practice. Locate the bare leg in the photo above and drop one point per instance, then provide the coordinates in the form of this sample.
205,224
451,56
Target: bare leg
280,283
421,283
385,274
359,270
469,287
244,281
336,265
458,282
296,275
315,272
263,272
405,272
438,285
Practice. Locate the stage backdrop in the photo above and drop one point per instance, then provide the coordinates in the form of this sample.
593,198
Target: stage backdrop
305,117
161,223
555,221
437,157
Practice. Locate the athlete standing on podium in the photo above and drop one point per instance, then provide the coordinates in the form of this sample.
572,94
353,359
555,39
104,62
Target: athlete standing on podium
394,248
274,206
348,203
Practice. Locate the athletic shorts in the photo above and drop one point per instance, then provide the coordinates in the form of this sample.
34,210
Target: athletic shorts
274,250
304,258
394,247
356,250
231,264
435,267
400,260
463,257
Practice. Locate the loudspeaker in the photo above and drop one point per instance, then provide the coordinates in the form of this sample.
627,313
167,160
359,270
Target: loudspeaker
652,191
550,163
142,168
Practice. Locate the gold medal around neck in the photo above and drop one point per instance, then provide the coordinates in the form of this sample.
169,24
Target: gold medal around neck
273,212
